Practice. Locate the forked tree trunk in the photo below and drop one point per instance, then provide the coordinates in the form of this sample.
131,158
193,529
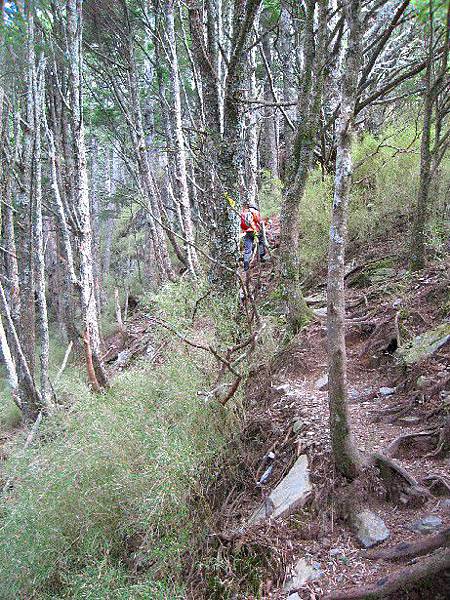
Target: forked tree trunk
346,455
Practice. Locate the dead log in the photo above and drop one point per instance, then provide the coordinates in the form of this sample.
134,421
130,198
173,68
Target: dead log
413,549
400,581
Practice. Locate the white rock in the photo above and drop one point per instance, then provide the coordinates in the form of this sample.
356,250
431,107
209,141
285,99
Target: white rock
387,391
322,383
289,495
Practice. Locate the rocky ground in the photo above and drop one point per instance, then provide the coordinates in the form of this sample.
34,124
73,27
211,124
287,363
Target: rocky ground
313,529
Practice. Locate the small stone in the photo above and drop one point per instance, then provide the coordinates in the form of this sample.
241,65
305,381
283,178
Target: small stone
387,391
284,388
294,597
123,358
320,312
297,426
428,524
335,551
369,528
445,504
322,383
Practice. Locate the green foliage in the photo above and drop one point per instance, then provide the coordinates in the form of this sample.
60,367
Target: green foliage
384,193
421,8
270,194
109,484
10,415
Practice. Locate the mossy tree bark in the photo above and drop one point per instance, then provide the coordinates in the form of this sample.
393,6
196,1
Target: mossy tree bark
346,455
297,312
435,108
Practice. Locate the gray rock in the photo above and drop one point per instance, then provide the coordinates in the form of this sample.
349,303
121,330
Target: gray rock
322,383
428,524
387,391
123,358
369,528
422,382
294,596
445,504
320,312
150,350
298,424
302,573
425,345
283,388
291,493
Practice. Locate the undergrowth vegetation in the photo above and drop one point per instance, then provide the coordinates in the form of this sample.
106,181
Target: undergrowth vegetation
104,495
384,194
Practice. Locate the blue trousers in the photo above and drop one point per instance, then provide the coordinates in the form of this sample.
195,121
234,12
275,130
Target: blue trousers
248,248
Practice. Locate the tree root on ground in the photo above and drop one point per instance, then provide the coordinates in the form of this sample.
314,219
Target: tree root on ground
400,581
414,442
443,443
437,484
410,550
385,337
401,486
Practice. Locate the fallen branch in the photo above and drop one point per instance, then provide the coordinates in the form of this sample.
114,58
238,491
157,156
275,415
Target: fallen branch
403,579
413,549
64,363
411,440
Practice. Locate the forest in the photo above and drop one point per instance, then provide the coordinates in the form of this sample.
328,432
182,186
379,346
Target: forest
224,299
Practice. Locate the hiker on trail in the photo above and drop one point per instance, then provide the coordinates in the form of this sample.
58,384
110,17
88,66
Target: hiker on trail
252,228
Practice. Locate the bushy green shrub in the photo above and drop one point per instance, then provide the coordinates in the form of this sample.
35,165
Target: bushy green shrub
120,466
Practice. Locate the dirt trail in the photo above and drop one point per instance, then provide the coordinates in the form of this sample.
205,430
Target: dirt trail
292,409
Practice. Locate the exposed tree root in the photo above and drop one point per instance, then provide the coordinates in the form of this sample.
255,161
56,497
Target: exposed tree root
385,337
412,549
401,580
401,486
443,444
419,441
438,485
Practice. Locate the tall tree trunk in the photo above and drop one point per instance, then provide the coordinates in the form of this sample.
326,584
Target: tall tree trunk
309,104
268,143
179,150
345,452
87,287
38,235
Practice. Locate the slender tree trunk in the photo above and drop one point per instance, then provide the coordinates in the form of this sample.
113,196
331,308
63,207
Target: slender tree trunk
30,399
38,236
179,151
345,452
88,297
268,144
